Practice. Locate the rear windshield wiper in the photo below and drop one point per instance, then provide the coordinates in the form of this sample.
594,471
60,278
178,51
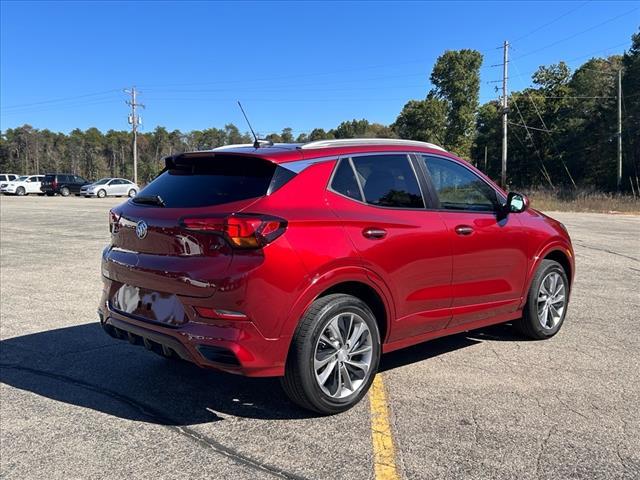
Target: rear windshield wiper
149,200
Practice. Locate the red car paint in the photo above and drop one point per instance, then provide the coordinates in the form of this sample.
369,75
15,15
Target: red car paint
426,277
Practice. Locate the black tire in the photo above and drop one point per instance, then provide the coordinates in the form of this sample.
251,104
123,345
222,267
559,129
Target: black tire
299,382
131,193
64,191
20,191
530,325
102,193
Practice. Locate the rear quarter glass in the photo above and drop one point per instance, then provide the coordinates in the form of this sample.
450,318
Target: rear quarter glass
216,180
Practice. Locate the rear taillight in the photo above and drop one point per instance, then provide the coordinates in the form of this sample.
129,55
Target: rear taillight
114,221
242,230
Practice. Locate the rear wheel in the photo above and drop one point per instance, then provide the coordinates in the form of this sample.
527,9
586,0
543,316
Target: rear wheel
334,355
64,191
132,193
547,301
20,191
102,193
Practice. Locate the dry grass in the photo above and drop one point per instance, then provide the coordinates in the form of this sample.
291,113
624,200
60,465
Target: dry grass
583,201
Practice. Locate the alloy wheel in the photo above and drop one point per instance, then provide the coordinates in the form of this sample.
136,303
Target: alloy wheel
343,355
551,300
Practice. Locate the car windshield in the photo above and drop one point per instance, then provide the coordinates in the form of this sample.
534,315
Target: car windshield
21,179
102,181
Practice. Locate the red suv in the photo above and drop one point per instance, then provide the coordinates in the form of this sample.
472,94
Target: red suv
308,261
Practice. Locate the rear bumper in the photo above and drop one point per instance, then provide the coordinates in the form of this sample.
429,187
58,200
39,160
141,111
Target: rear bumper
232,346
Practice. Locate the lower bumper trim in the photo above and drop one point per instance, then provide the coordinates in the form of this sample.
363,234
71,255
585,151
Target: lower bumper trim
167,345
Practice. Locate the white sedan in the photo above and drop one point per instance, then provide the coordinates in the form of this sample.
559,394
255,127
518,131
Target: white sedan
23,185
114,187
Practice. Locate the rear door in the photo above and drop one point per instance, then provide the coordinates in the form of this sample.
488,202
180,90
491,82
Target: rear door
123,186
489,248
379,198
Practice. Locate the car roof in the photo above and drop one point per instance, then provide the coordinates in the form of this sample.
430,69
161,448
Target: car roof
291,152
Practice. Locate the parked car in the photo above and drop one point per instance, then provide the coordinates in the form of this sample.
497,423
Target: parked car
308,261
62,183
23,185
116,187
6,178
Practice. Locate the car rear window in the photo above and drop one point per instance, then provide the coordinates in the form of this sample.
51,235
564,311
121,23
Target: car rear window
208,181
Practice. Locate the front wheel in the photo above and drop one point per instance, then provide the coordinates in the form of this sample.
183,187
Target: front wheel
132,193
20,191
334,355
102,193
64,191
547,302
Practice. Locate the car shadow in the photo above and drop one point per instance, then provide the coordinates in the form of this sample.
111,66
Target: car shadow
82,366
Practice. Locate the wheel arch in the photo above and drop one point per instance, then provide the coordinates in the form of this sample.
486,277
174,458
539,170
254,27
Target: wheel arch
368,295
560,252
354,281
561,257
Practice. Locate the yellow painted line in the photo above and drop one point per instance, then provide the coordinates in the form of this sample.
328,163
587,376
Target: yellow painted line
383,449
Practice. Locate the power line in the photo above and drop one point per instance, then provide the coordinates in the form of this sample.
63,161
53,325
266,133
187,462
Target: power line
598,51
530,137
577,34
551,22
57,100
528,127
547,131
50,108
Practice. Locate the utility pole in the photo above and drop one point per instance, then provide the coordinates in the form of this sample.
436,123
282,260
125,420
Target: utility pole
619,129
505,111
134,121
485,159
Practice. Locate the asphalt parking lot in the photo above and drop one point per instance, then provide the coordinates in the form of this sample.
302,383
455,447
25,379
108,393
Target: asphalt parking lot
487,404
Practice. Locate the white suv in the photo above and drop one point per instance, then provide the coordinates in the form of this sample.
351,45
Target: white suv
7,177
23,185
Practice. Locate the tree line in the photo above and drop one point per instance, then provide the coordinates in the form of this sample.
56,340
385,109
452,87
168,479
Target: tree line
562,129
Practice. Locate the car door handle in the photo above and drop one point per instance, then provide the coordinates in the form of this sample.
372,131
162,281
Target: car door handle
464,230
374,233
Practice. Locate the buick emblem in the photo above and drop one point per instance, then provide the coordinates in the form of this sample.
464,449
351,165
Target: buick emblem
141,229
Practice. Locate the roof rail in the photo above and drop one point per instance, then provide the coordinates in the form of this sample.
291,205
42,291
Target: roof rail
227,147
263,144
345,142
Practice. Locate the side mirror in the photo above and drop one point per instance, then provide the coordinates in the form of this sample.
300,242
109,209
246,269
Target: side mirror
516,202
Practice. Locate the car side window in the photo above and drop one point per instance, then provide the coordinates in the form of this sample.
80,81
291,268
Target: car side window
458,188
388,181
344,181
80,180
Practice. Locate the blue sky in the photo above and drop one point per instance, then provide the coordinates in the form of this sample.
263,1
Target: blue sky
301,65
